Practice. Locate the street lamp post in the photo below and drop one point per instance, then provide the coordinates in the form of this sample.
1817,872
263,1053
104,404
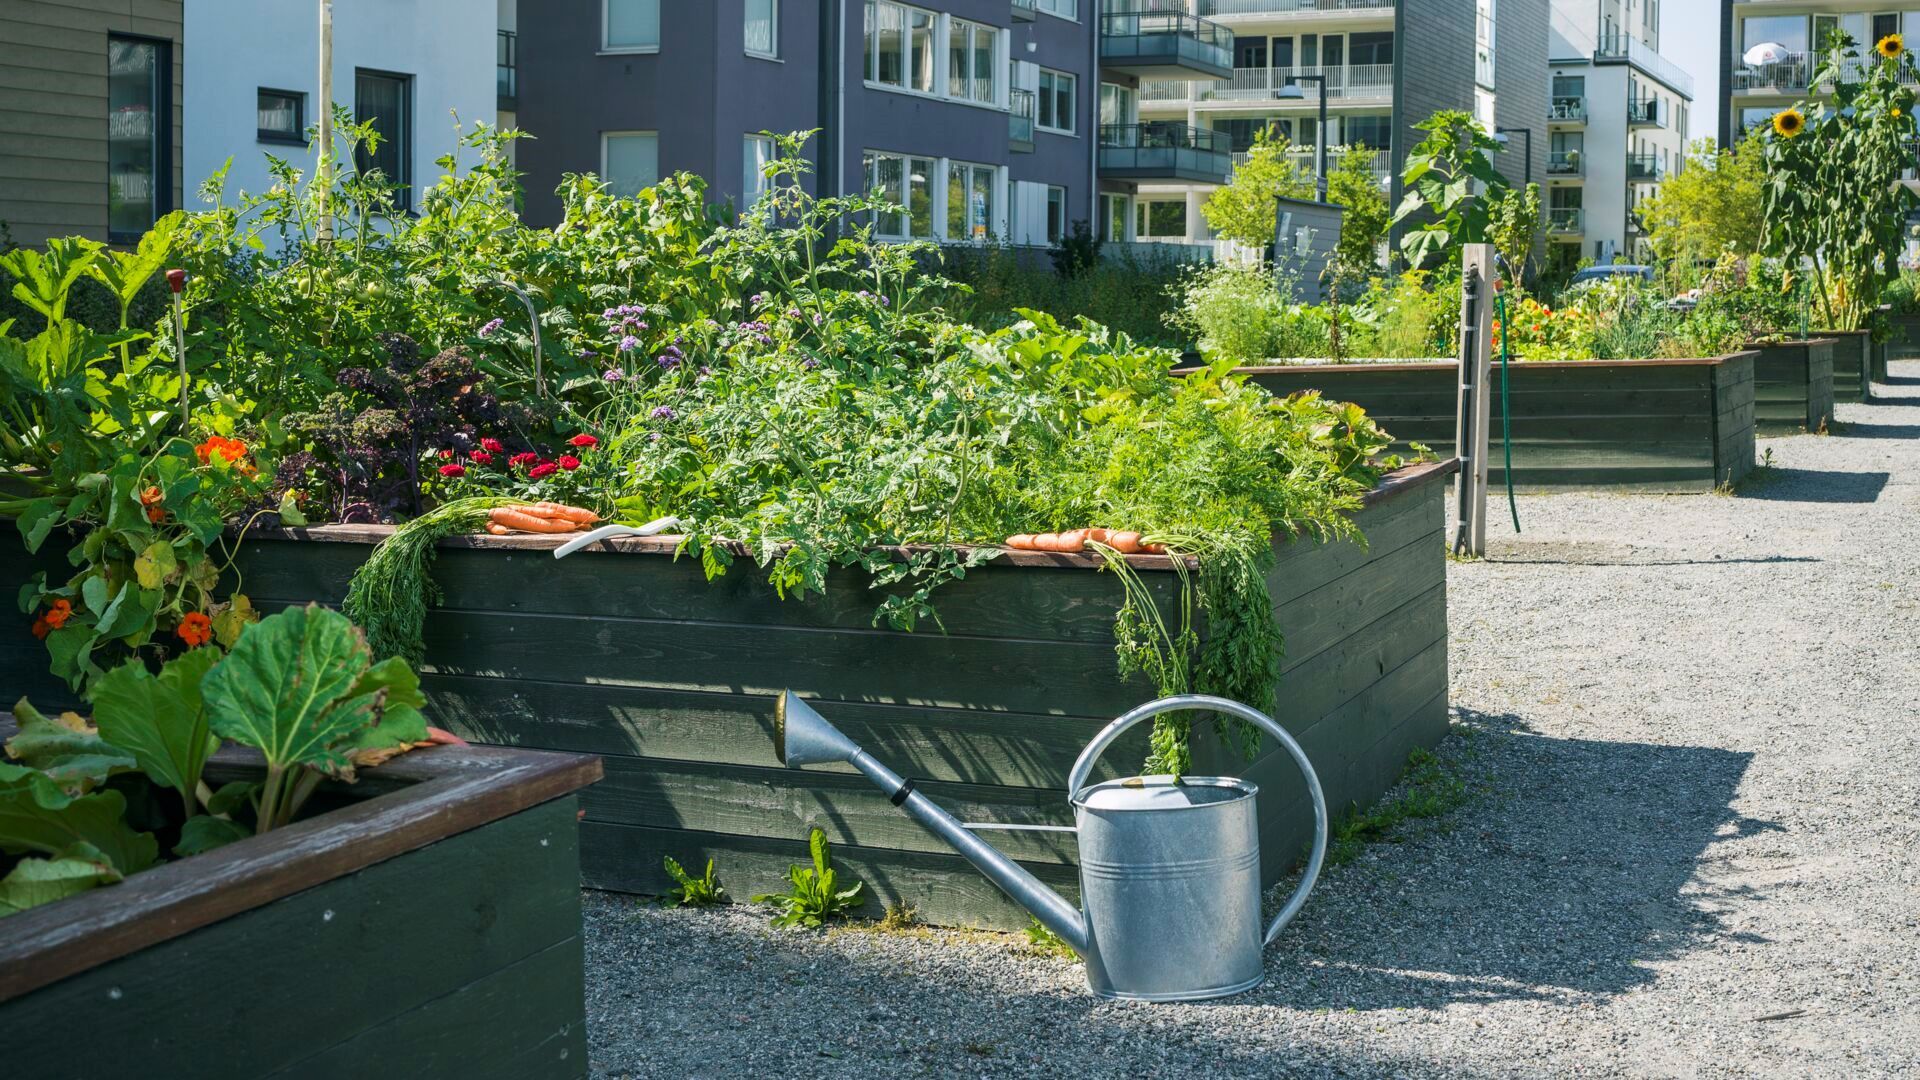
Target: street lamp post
1293,92
1527,135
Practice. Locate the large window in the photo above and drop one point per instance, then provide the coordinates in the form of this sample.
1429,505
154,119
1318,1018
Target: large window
907,181
1372,132
971,69
1056,214
756,153
385,100
139,134
900,46
970,209
1164,219
1059,101
630,161
1117,104
1113,218
763,27
630,25
282,116
1372,48
1787,30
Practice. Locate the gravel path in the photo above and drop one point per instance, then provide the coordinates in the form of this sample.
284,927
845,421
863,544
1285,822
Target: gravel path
1692,730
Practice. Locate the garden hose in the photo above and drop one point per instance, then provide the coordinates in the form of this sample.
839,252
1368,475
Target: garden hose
1506,402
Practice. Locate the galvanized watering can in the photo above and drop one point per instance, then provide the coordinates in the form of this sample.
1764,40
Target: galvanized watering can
1169,870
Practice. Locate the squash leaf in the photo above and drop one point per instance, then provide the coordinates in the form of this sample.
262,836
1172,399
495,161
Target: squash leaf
42,881
159,719
36,816
66,748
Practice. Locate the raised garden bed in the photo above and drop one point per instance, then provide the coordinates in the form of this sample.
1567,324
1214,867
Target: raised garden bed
1794,386
626,652
428,926
1903,340
1647,425
1853,353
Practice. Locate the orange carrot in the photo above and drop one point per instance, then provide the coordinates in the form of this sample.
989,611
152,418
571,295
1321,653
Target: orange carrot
1023,542
497,530
561,511
513,518
1126,543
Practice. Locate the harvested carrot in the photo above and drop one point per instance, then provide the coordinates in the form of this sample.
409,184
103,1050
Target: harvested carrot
497,530
561,511
1023,542
513,517
1126,543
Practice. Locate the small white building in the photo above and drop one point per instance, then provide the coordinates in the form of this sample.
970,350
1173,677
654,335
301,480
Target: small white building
251,82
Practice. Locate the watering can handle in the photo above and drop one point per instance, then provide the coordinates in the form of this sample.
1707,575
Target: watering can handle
1077,779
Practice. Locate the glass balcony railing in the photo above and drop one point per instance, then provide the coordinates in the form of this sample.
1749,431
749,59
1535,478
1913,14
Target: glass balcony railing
1358,82
1566,220
1622,46
1566,163
1158,40
1567,110
1020,114
1644,168
1645,112
1212,8
1166,150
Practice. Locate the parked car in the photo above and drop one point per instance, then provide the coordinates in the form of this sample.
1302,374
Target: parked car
1606,273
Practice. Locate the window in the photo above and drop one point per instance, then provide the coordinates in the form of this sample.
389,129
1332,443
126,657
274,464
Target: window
139,134
1117,104
1249,52
1058,101
1113,218
630,25
1066,9
1056,214
763,27
756,153
629,161
1565,198
970,210
1161,218
907,181
1375,48
282,116
1786,30
385,101
1569,86
1853,24
900,46
1372,132
970,61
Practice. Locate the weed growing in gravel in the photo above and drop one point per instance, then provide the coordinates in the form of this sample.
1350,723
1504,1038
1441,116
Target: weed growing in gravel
690,891
1045,942
1430,790
899,917
813,900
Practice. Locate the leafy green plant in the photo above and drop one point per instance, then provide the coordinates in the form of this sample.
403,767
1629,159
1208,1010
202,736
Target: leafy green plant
1441,207
1243,210
1045,942
1238,313
690,891
299,687
1429,790
815,897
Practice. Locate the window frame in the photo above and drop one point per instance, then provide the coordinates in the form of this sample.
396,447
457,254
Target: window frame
773,34
607,48
869,160
1056,192
605,172
972,171
1043,7
298,137
750,143
940,29
160,134
1045,96
403,196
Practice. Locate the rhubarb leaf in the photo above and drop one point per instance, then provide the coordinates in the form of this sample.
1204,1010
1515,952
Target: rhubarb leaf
42,881
288,689
159,719
66,748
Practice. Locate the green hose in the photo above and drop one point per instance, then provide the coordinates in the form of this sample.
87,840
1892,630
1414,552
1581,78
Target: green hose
1506,402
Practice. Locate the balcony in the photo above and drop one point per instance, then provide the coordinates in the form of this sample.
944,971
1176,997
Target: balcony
1020,114
507,69
1026,10
1645,113
1165,150
1165,45
1214,9
1618,47
1566,221
1568,112
1257,86
1566,163
1644,169
1306,160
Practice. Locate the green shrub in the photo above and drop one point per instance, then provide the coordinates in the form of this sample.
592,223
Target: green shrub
1122,293
1239,314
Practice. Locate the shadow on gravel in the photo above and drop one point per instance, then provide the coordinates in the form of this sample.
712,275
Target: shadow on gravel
1570,874
1854,429
1815,486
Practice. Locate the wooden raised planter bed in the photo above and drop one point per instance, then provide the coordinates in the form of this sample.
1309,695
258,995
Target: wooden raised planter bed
1794,386
1646,425
428,927
1903,340
1853,353
625,652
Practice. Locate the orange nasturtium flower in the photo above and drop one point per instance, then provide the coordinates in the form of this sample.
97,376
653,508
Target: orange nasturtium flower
59,613
152,499
196,629
1789,122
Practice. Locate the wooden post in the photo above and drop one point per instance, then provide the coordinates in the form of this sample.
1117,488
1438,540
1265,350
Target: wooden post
1475,414
323,168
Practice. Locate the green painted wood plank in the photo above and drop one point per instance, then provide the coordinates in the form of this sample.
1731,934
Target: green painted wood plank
1301,567
1325,618
1313,687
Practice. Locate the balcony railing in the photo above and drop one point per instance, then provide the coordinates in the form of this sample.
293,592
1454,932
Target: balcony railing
1306,160
1645,112
1020,114
1623,46
1566,163
1028,10
1211,8
1158,40
507,67
1165,150
1566,220
1567,110
1644,168
1360,82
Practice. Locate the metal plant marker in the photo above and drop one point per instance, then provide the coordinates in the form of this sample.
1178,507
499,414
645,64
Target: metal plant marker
1169,868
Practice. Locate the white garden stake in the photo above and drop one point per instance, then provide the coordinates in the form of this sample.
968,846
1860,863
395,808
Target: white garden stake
177,281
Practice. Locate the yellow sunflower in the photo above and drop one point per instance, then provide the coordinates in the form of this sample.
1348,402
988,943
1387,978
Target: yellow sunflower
1789,122
1891,46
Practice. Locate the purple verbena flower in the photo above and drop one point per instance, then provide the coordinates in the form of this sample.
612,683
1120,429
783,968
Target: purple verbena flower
809,363
755,300
613,375
667,361
653,437
663,412
884,302
488,330
629,343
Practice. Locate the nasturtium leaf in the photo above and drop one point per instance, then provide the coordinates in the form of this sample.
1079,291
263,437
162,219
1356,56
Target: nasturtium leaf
37,520
130,613
155,564
66,748
289,511
96,592
36,816
232,617
69,648
204,833
42,881
285,689
159,719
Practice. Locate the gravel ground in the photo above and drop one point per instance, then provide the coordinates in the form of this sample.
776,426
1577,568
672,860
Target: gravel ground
1690,729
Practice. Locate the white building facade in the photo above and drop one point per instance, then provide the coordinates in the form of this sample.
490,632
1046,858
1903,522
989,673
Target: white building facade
251,86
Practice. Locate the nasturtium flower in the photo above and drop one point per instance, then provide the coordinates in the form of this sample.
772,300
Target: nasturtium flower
196,629
1891,46
59,613
1789,122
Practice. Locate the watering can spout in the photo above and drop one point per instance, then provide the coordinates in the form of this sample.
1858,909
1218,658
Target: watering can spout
802,736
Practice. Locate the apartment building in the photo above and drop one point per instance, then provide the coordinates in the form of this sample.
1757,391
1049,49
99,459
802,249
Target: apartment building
1616,127
1379,67
1751,94
90,119
977,115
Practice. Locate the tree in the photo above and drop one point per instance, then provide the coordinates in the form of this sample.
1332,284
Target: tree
1713,206
1243,211
1440,177
1513,224
1364,218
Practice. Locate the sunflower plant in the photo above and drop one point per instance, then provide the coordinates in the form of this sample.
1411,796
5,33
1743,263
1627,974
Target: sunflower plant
1835,207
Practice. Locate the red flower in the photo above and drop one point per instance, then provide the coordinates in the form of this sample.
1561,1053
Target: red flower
481,457
542,470
59,613
41,629
451,471
491,446
522,461
446,455
584,442
196,629
569,462
152,500
226,450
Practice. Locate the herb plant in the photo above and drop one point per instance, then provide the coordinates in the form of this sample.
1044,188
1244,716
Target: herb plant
815,897
690,891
